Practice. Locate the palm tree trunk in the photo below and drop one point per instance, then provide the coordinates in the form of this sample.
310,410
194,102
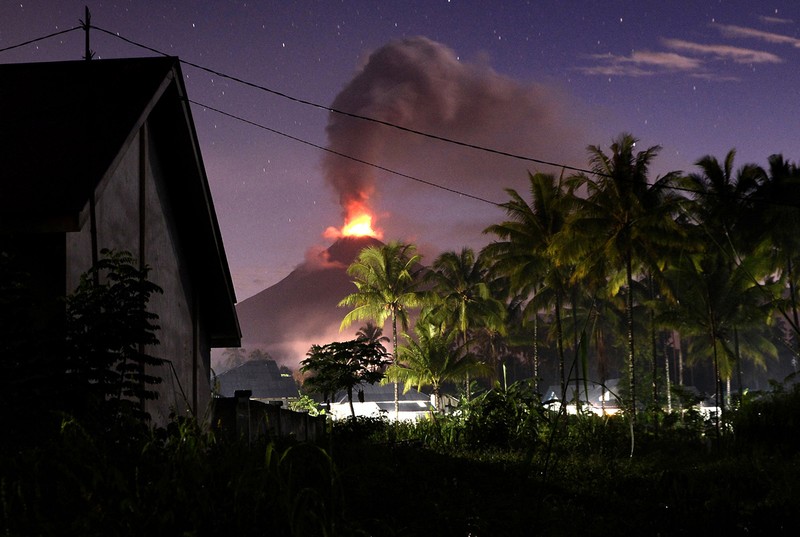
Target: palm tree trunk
575,350
394,361
631,348
653,342
560,345
717,386
466,350
667,383
350,401
728,392
738,363
793,301
536,351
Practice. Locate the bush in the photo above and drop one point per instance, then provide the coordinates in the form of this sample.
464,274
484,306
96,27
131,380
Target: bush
770,421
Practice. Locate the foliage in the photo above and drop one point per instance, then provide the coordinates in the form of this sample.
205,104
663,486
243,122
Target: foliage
449,478
343,366
386,279
304,403
769,423
502,418
432,359
175,481
108,329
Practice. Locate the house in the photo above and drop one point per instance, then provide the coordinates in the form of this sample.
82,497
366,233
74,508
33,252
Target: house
104,154
378,401
265,381
601,399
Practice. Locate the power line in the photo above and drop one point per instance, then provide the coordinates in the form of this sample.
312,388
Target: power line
369,119
428,135
343,155
40,38
351,114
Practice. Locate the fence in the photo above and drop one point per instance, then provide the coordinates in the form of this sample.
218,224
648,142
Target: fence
241,417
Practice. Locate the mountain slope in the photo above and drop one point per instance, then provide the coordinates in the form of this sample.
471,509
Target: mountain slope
301,310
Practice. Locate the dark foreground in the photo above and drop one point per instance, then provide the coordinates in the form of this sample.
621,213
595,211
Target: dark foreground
502,470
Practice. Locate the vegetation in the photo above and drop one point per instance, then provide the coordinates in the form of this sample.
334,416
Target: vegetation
343,366
594,273
502,466
608,272
387,281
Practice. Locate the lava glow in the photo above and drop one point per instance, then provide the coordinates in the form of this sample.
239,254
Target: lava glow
355,225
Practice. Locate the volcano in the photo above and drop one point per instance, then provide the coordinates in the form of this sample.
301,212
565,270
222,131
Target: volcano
301,310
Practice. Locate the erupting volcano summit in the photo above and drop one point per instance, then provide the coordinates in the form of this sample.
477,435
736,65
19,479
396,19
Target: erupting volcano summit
301,310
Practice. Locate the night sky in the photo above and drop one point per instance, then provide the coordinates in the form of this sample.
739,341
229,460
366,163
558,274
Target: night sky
541,79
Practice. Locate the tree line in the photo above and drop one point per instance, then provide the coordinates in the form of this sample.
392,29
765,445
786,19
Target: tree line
612,268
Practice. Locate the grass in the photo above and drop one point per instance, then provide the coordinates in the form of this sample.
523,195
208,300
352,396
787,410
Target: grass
459,476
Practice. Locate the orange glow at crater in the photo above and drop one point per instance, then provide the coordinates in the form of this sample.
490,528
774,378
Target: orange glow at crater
357,223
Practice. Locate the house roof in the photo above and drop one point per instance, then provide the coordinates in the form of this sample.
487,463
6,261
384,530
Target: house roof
262,377
383,393
64,127
592,392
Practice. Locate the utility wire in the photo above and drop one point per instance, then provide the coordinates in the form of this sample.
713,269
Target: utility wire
343,155
460,143
351,114
597,173
41,38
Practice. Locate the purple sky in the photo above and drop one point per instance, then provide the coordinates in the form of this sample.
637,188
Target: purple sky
541,78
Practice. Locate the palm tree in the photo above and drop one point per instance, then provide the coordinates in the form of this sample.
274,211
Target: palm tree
371,333
722,210
718,302
622,226
776,221
463,297
432,359
524,251
387,283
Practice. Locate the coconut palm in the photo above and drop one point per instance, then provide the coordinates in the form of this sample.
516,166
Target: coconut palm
622,226
524,250
722,210
463,298
433,358
387,283
717,303
371,333
776,223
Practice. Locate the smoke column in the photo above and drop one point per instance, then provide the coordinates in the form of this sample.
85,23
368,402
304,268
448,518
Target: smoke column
421,84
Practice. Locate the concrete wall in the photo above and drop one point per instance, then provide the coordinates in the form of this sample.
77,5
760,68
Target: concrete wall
121,225
242,417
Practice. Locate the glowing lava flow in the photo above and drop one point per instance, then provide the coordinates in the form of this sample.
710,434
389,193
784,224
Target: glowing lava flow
355,225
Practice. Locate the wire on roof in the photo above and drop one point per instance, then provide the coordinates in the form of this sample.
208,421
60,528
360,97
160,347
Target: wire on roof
18,45
364,118
343,155
444,139
351,114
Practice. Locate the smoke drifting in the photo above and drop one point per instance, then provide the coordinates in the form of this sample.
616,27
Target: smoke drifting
421,84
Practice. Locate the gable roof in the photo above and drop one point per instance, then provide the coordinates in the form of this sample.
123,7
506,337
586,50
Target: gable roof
261,377
383,393
64,126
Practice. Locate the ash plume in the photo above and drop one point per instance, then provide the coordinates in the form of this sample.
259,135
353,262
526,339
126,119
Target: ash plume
421,84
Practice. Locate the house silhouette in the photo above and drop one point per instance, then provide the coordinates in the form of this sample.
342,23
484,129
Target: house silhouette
103,154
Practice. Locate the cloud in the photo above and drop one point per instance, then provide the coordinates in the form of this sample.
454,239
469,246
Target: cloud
687,56
642,63
775,20
318,258
423,85
730,30
724,52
